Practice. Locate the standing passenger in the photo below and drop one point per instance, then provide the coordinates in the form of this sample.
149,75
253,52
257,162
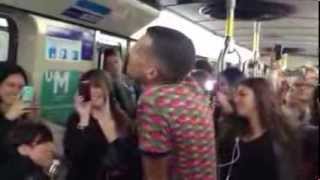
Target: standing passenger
125,90
227,82
12,109
205,65
299,98
224,112
264,149
176,133
99,142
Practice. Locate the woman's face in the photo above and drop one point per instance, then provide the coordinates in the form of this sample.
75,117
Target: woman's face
301,92
245,101
10,88
98,96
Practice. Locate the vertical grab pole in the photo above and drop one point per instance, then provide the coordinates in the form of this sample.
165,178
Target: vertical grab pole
256,39
256,45
229,32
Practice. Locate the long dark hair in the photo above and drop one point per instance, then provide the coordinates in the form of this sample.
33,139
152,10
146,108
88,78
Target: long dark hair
269,110
102,79
7,70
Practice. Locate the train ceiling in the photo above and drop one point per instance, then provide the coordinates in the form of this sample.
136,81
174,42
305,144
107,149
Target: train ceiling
124,18
292,23
297,28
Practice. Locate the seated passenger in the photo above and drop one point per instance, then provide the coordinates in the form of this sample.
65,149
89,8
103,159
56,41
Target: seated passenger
265,148
12,79
32,153
126,91
174,117
99,140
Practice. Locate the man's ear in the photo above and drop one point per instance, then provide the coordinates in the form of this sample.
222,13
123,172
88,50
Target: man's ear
23,150
152,73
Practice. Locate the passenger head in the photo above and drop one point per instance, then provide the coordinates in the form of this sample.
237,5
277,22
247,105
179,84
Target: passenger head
12,80
204,79
300,93
229,79
101,89
34,141
100,86
112,63
256,100
311,74
162,55
255,95
204,65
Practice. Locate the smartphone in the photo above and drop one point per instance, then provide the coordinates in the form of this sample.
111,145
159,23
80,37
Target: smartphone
84,90
27,94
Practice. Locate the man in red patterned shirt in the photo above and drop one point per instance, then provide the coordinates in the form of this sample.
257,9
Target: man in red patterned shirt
176,133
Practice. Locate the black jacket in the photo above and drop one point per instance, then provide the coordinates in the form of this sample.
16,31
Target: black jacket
127,93
93,158
5,126
21,168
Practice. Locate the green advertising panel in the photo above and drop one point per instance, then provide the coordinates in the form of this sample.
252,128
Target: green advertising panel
57,93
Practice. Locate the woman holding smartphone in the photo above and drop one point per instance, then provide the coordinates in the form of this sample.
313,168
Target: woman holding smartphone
12,109
99,140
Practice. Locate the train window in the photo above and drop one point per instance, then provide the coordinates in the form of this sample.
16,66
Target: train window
4,40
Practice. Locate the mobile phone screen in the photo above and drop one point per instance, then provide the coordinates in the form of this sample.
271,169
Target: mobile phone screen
84,90
27,94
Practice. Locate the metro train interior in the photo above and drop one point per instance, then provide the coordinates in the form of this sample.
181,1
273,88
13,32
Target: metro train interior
56,41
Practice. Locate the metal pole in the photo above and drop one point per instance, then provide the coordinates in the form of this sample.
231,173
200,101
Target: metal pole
256,46
229,32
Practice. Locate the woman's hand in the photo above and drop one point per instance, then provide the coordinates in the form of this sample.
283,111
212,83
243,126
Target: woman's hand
34,109
224,102
17,109
106,121
83,109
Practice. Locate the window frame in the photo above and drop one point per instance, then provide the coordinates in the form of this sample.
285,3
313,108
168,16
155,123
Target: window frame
12,30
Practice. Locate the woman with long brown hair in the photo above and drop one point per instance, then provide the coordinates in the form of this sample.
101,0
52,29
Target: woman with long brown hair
263,149
99,140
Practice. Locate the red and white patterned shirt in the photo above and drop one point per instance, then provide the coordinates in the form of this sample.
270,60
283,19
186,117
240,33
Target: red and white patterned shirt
177,120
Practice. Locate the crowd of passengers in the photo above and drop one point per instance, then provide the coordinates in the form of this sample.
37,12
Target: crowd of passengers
155,118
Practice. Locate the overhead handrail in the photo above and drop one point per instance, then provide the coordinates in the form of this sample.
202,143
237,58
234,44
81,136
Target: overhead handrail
229,33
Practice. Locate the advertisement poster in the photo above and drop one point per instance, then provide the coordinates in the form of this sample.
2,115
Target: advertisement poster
63,49
57,94
88,11
69,44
